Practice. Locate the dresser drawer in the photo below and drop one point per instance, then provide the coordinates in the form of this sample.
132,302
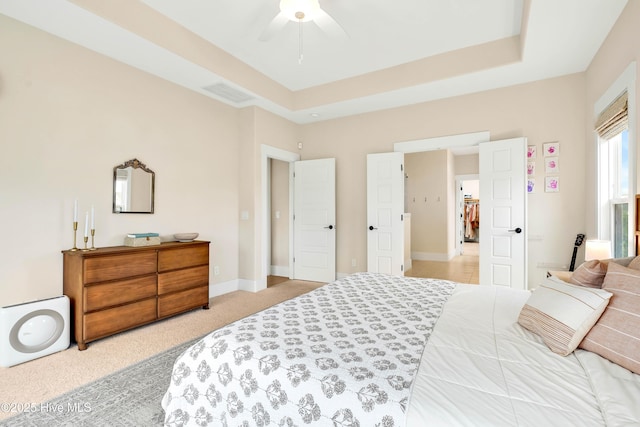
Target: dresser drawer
186,278
109,294
113,267
182,301
110,321
175,258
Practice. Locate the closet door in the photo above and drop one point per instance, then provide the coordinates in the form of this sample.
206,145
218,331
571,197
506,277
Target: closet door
315,220
503,225
385,213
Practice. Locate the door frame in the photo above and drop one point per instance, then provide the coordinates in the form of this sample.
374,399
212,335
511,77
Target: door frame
268,152
443,142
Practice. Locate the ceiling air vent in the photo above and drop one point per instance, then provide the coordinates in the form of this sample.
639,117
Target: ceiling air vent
227,92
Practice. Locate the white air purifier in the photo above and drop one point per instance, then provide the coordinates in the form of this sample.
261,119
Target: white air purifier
34,329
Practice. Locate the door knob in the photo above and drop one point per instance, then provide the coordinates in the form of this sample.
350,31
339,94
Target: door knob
330,227
371,227
516,230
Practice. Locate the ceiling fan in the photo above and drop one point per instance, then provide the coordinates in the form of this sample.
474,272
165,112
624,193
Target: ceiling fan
301,11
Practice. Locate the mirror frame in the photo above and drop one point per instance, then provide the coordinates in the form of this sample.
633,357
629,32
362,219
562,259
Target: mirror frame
135,164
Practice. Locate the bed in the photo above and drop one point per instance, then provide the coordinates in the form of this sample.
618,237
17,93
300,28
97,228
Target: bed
379,350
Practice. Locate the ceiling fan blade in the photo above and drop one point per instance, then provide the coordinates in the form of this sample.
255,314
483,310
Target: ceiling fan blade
329,25
274,26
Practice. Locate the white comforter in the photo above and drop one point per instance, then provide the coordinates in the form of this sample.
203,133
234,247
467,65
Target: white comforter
480,368
330,357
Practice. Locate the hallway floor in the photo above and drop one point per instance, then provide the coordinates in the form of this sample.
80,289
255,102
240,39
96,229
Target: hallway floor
463,268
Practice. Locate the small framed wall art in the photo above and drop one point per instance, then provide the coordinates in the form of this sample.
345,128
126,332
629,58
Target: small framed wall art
551,148
551,184
551,165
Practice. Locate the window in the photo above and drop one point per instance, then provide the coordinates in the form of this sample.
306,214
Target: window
619,197
615,195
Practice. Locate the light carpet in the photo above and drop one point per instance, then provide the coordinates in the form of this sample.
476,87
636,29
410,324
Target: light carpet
27,385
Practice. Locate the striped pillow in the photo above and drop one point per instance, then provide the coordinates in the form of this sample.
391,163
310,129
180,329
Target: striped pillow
590,274
562,313
616,336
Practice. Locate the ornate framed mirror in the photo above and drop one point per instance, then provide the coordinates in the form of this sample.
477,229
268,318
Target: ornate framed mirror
133,188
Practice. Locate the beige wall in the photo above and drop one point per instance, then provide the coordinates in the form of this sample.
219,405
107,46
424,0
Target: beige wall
467,164
258,128
248,176
618,51
549,110
427,191
67,117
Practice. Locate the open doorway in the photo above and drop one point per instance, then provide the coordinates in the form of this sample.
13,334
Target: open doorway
279,224
442,195
269,154
451,156
467,215
315,180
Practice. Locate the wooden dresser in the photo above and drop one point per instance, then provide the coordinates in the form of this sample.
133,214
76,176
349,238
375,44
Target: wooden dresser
118,288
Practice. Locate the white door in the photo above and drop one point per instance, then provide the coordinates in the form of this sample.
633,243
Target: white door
385,206
315,220
503,209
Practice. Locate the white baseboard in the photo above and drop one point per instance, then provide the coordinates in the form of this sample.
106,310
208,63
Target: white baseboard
247,285
408,265
222,288
218,289
280,270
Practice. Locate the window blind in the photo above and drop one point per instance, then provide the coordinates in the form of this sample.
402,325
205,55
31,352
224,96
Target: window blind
614,119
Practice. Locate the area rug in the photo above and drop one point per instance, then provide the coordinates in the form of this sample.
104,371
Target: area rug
129,397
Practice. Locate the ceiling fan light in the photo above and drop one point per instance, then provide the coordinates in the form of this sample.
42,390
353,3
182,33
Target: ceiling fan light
291,7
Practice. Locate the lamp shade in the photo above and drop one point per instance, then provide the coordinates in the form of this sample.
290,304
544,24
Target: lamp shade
597,249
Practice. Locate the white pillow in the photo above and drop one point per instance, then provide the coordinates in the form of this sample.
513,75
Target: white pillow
562,313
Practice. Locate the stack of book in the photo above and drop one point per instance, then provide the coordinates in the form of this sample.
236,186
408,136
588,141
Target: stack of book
142,239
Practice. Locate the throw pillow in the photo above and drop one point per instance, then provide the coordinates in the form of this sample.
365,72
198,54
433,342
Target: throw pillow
635,263
562,313
616,336
589,274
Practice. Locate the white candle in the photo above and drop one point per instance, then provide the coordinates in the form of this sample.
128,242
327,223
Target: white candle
86,224
75,211
93,219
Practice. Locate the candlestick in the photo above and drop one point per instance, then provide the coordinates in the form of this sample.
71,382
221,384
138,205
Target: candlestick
86,239
75,231
86,224
75,211
93,219
93,234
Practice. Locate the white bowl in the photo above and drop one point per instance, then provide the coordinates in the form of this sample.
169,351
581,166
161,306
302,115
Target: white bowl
185,237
